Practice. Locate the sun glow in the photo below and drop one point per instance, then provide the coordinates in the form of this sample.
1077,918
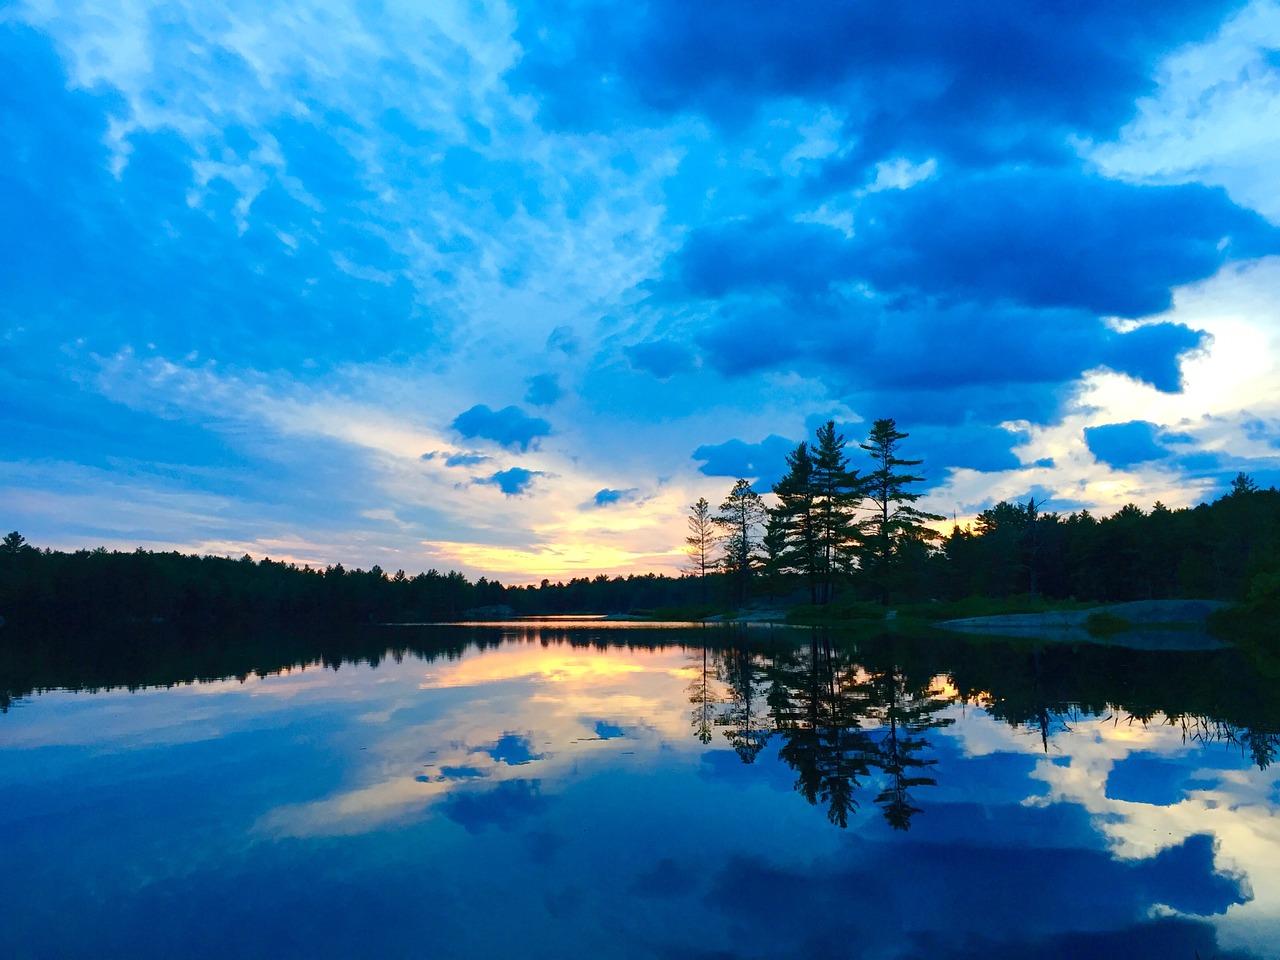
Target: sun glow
573,558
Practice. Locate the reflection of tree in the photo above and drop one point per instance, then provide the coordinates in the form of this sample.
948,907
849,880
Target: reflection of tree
702,695
1053,688
1260,747
1030,697
744,713
904,711
839,720
815,717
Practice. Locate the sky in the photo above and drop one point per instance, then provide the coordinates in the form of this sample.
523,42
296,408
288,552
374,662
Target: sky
505,287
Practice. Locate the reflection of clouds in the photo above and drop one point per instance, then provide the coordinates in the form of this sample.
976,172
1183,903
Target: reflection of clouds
599,773
352,812
551,665
1230,805
117,720
560,698
1233,806
506,806
979,736
511,749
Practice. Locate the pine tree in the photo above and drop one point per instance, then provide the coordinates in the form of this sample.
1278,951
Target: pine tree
894,516
837,493
774,543
797,521
740,516
701,542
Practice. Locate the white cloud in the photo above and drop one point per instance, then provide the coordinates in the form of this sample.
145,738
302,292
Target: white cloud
1215,116
901,174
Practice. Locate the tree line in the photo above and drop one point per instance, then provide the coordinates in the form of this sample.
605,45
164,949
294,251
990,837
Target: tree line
835,531
95,587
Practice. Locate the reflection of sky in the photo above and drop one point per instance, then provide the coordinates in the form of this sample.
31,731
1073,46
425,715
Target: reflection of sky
554,801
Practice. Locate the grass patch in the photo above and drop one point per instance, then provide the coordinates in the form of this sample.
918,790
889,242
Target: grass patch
934,610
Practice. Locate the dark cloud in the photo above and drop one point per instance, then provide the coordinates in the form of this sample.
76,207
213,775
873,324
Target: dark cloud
544,390
926,363
465,459
1121,445
513,481
980,318
971,446
743,342
662,358
1052,239
607,497
765,461
1041,239
457,459
510,426
769,252
1153,939
1152,353
1005,81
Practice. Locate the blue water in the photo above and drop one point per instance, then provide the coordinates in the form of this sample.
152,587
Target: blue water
545,799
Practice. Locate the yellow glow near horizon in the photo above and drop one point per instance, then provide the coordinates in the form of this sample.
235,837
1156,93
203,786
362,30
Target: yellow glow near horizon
574,558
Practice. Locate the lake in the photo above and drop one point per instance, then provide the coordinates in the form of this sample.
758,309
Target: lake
589,789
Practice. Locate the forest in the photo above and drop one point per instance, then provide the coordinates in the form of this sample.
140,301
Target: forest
832,534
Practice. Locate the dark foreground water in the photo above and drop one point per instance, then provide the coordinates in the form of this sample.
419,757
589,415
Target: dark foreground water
584,791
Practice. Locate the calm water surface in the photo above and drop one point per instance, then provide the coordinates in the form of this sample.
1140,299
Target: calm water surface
581,791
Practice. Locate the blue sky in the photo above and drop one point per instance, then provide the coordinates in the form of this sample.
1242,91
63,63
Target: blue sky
504,287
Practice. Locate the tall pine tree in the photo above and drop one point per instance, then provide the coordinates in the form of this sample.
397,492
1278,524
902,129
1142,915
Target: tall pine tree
837,494
740,517
894,516
797,521
701,542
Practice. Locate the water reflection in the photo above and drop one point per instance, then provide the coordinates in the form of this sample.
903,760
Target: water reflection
570,790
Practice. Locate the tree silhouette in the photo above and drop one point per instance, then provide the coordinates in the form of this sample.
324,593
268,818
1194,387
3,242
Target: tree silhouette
894,516
740,517
700,543
837,495
796,521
